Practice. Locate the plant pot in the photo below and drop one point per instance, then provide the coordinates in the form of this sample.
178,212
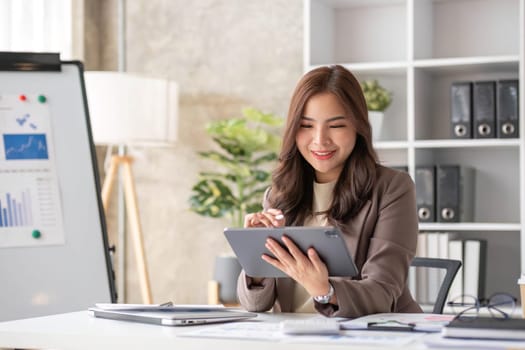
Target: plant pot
376,122
226,273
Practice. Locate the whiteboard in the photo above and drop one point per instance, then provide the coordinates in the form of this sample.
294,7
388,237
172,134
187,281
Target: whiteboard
54,254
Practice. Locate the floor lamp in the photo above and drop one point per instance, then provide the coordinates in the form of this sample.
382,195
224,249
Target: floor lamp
130,194
132,110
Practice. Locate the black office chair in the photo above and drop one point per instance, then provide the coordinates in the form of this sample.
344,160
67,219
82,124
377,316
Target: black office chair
451,266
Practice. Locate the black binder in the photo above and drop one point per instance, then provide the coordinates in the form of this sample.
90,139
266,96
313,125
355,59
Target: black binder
454,193
484,102
508,109
425,193
461,110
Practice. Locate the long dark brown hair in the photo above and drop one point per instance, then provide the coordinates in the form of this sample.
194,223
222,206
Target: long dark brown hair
292,181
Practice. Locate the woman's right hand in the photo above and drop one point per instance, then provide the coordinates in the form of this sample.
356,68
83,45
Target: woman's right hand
269,218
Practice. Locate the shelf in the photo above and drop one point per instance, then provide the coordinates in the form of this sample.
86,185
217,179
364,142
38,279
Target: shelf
432,93
347,4
470,143
469,226
463,65
335,31
466,65
387,68
465,28
390,144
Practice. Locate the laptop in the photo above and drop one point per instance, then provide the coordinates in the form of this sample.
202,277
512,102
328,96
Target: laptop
175,315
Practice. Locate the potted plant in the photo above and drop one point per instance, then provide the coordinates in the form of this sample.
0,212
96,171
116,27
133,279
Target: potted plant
247,147
377,100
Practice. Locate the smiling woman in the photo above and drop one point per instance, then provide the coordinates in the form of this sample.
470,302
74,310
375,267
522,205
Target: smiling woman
328,175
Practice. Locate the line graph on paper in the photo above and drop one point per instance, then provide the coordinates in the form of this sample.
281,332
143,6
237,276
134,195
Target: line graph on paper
25,146
26,129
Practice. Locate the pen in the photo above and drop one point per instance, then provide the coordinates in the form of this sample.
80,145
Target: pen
168,303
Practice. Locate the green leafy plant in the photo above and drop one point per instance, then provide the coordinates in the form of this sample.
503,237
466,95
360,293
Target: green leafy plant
247,147
377,97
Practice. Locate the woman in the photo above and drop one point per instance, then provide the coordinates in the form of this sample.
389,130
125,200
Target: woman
328,175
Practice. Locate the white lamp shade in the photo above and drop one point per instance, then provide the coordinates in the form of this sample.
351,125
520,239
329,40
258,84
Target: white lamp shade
130,109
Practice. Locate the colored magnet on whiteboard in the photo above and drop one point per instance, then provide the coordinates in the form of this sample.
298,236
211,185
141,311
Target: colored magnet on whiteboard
22,98
42,99
36,234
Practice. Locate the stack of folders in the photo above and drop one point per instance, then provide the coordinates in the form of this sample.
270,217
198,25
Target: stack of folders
484,109
470,279
445,193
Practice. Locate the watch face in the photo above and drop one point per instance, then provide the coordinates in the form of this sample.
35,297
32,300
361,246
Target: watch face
325,299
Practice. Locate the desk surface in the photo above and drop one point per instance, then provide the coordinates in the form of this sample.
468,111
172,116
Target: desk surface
79,330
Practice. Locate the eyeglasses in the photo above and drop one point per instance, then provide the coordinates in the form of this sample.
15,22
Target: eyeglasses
500,305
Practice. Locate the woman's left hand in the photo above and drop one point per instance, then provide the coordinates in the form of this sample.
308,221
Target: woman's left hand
308,270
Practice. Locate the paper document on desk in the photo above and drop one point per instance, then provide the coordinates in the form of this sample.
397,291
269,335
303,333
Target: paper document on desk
400,322
270,331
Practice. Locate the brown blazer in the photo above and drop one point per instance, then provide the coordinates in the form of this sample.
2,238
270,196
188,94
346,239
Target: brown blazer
382,239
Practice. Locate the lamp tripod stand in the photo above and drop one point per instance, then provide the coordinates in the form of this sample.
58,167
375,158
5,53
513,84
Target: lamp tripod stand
132,211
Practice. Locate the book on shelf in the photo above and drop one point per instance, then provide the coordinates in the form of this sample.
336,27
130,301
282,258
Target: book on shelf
455,252
437,247
433,274
421,275
443,239
474,270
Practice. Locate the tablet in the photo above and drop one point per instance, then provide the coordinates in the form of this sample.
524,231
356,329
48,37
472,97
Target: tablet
248,245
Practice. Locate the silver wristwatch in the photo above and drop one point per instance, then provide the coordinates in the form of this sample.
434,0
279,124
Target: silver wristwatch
325,299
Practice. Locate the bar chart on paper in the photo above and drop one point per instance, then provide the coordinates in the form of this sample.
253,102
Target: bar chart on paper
30,211
15,210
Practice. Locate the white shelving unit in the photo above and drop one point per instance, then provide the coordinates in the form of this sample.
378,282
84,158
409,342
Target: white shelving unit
416,49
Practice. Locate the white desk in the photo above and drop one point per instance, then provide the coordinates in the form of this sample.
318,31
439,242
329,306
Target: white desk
79,330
